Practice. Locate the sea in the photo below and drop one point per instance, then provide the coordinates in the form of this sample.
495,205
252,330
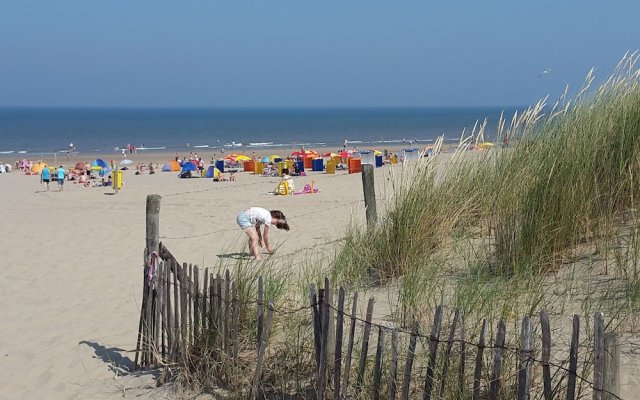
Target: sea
41,131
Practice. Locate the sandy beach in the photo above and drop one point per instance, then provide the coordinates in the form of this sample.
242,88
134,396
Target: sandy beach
72,263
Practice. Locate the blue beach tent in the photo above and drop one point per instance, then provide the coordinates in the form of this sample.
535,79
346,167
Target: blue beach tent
189,166
166,167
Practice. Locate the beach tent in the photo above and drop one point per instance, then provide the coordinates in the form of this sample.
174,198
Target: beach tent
166,167
189,166
175,166
99,163
212,172
37,167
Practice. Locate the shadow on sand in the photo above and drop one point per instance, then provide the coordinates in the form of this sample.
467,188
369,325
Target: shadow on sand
112,356
235,256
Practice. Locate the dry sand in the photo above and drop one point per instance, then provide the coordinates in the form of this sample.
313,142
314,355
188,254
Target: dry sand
71,265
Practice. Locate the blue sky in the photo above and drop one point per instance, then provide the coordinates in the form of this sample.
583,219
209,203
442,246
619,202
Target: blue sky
305,54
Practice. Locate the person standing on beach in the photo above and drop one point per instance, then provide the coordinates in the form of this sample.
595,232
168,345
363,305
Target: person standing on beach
60,172
250,221
45,177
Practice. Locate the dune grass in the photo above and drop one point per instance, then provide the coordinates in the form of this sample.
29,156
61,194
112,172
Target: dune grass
494,232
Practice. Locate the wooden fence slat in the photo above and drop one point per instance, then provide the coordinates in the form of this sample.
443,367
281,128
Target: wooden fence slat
477,373
434,340
498,357
184,317
227,312
157,319
197,300
337,359
324,349
331,338
167,308
365,345
316,323
463,361
406,379
611,367
213,309
352,331
235,322
598,355
219,313
204,299
377,368
261,351
526,349
176,311
190,295
139,341
393,368
260,310
546,355
573,358
447,353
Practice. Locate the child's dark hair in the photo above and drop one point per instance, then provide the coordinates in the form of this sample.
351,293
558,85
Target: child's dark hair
282,224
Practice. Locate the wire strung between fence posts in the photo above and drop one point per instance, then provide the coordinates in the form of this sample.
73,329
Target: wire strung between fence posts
235,229
514,350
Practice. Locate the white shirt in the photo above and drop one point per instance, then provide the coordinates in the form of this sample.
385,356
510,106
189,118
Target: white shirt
258,215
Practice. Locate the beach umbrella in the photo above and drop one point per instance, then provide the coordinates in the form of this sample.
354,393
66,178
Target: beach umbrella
265,159
96,168
377,152
297,153
126,162
274,156
242,157
344,154
330,154
79,165
99,163
36,168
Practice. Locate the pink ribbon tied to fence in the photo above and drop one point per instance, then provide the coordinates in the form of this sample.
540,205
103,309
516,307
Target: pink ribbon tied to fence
152,266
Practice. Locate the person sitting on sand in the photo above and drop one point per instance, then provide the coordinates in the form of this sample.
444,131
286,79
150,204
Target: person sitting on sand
109,181
232,176
250,221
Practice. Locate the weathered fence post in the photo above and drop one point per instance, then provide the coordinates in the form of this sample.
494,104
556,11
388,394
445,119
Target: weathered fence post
447,354
598,355
352,330
324,348
377,369
524,375
408,366
477,373
393,369
365,345
546,354
611,366
573,358
337,360
260,310
369,193
498,357
261,351
153,223
434,340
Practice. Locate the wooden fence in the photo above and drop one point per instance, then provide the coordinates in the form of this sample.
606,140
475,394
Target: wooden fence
184,307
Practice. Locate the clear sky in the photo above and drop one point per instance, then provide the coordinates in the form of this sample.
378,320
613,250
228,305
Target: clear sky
283,53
